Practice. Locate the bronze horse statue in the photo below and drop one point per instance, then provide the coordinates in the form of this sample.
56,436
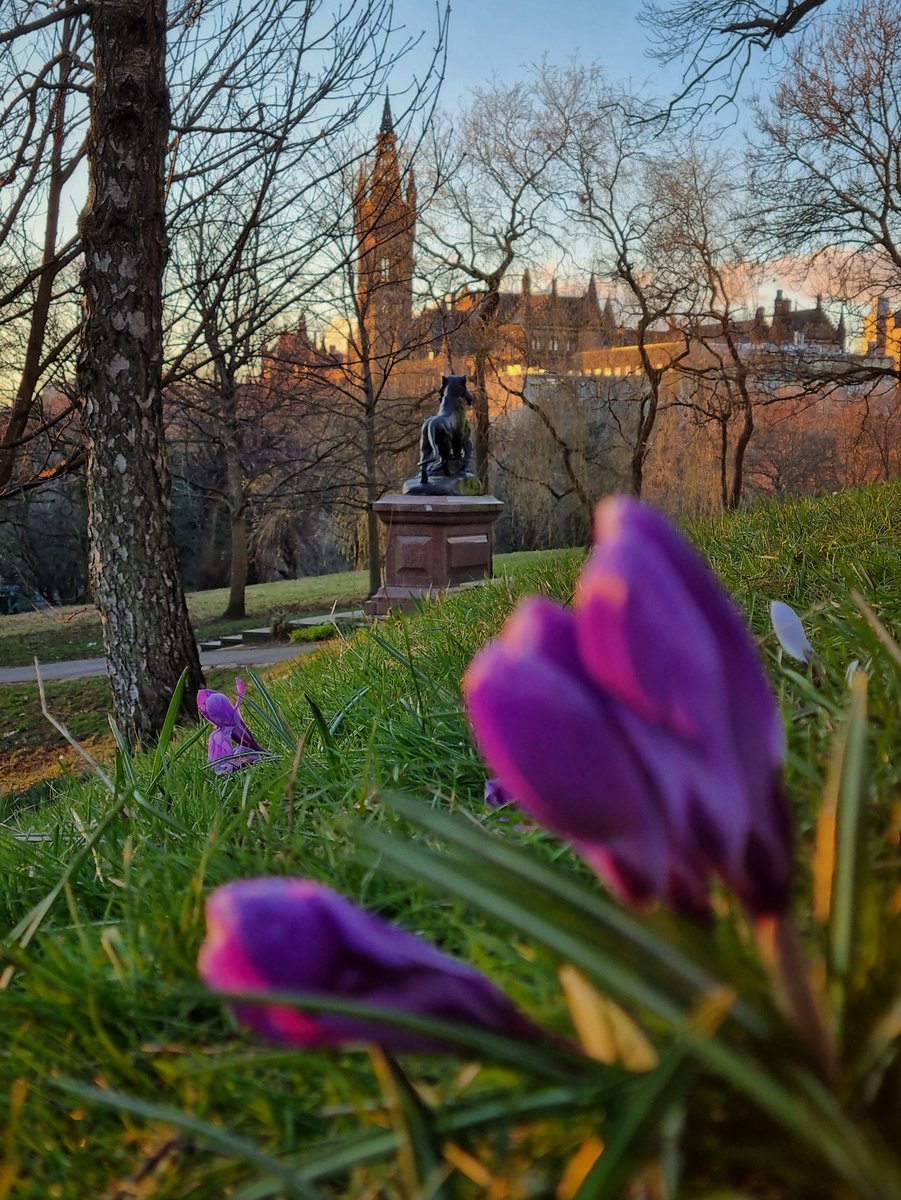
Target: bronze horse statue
446,447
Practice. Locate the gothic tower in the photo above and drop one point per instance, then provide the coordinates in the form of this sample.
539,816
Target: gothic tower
385,216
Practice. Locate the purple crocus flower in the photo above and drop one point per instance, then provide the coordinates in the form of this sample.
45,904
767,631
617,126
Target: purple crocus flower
294,935
496,795
639,725
231,745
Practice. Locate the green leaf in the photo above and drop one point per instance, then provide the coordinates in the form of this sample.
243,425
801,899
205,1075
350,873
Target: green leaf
612,930
169,724
340,716
416,672
325,733
365,1146
418,1142
31,922
849,830
123,756
270,713
219,1139
790,1094
550,1060
627,1141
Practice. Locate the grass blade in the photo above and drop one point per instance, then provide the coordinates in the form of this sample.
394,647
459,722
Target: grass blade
611,925
169,723
627,1141
214,1136
848,837
419,1147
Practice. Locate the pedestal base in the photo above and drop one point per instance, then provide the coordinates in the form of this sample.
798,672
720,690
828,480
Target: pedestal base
435,544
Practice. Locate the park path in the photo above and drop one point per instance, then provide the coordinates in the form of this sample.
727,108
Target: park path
233,656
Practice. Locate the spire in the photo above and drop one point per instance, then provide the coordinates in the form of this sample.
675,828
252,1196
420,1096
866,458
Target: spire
387,125
608,317
526,282
591,307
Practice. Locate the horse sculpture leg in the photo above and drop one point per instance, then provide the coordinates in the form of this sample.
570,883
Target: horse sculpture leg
427,451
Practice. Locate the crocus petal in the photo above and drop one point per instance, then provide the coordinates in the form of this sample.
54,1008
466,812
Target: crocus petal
293,935
555,743
641,726
496,795
217,708
789,631
220,752
232,734
243,736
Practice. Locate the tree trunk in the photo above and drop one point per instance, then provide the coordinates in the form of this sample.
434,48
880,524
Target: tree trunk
738,459
237,575
134,567
237,514
647,418
372,494
485,334
481,426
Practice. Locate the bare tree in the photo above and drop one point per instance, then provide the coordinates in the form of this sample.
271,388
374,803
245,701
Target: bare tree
718,39
610,159
223,71
492,171
375,374
699,237
828,161
43,78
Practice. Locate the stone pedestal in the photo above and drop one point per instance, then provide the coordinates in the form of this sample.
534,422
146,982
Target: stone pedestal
434,544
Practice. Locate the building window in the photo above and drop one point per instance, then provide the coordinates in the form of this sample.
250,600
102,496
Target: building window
555,345
385,267
536,343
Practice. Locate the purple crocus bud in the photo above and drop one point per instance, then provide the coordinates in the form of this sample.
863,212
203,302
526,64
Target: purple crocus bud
789,631
293,935
640,725
496,795
231,745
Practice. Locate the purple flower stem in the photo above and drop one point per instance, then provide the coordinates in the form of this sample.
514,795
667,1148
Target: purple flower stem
783,951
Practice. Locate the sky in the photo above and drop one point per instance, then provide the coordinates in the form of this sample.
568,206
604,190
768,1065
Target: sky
503,37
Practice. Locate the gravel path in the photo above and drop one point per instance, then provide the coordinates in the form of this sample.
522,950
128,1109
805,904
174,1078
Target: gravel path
230,656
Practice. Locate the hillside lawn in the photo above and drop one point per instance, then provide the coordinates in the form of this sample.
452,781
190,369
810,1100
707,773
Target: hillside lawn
105,991
73,631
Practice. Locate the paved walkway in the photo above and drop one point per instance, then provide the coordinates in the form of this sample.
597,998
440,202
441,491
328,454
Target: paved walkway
229,656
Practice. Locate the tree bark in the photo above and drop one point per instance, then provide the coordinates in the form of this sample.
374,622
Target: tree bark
134,567
738,459
237,502
237,576
372,494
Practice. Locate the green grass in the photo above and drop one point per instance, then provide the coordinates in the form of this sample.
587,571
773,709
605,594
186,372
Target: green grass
106,991
73,631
